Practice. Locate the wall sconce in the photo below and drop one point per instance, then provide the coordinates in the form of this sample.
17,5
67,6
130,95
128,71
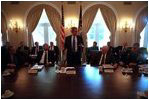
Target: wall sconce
71,22
15,25
126,25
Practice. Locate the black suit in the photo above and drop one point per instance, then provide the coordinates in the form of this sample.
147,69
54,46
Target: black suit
4,53
109,59
39,57
23,54
12,59
73,57
53,53
34,49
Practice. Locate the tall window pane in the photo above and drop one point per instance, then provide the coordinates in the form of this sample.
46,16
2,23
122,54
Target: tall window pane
98,31
144,37
44,32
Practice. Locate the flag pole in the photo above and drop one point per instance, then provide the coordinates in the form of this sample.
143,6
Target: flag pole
62,34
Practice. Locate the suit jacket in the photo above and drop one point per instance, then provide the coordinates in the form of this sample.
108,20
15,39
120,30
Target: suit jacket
34,48
94,48
39,56
109,58
54,54
10,61
68,44
73,58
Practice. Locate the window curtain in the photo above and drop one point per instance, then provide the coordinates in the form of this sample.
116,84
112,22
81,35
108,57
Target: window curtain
108,15
110,20
54,19
88,19
141,21
3,28
32,21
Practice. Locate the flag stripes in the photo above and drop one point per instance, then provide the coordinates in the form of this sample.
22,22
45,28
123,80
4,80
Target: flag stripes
62,37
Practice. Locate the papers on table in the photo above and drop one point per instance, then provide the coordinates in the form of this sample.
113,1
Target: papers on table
143,68
108,66
8,72
35,69
33,55
132,64
142,94
66,70
127,70
108,70
71,72
7,94
31,71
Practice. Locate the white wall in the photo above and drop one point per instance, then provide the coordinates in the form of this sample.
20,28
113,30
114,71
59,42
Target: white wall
72,11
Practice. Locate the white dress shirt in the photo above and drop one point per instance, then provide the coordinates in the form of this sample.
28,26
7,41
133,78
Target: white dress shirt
76,48
102,58
43,56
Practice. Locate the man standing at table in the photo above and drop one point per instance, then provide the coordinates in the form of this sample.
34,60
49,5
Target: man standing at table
74,45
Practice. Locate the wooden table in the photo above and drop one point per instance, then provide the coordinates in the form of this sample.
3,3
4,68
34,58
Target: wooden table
88,83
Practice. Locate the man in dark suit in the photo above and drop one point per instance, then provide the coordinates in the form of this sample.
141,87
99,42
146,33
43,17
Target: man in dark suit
43,56
74,45
11,58
4,53
110,47
23,54
36,49
94,47
106,56
93,56
53,53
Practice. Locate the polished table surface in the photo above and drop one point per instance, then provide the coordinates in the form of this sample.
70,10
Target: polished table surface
87,83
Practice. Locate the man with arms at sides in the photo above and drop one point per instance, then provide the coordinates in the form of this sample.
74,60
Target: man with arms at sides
53,53
43,56
74,45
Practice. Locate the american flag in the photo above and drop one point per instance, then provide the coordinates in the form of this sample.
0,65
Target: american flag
62,37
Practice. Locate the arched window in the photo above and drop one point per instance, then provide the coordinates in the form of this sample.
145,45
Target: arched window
44,32
144,37
98,31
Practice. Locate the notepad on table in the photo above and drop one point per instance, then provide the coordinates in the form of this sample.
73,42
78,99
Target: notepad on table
71,72
32,71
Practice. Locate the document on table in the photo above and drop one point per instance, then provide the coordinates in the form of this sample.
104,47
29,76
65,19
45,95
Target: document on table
109,70
31,71
71,72
108,66
37,67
